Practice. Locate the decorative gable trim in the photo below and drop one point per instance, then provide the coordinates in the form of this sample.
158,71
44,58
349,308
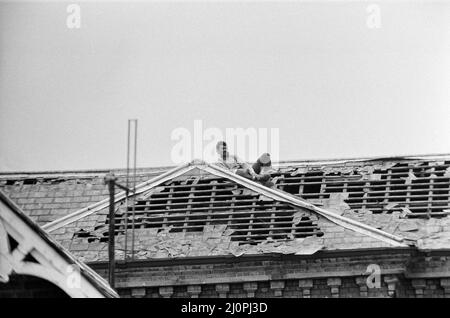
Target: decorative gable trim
91,209
36,254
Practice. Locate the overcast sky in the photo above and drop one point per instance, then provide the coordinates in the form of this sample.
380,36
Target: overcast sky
332,86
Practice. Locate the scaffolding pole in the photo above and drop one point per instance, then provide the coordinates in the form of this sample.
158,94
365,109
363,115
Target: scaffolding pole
134,123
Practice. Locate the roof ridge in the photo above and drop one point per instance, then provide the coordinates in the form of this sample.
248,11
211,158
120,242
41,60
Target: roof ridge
372,158
156,169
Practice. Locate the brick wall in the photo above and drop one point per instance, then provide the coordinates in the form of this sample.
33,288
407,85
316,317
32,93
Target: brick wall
285,289
289,277
50,197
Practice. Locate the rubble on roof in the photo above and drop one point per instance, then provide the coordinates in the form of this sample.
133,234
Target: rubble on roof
410,178
424,231
218,240
418,187
301,170
213,241
335,203
447,173
406,197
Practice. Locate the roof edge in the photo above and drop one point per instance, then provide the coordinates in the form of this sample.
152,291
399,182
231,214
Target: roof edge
161,169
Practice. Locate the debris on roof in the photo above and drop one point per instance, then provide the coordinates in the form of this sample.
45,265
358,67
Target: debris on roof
408,197
301,170
215,210
211,216
335,203
424,231
420,186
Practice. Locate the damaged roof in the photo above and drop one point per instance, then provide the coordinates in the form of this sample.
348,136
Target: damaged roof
202,210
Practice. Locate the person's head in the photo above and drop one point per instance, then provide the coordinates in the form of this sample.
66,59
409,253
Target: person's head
264,159
221,148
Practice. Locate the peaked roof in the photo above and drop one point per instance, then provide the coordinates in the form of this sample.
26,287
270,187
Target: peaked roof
50,260
407,196
261,189
414,185
321,228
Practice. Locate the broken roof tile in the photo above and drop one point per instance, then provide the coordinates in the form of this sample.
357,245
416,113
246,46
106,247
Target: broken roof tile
419,188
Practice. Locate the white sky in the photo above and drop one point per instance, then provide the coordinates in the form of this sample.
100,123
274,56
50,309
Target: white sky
333,87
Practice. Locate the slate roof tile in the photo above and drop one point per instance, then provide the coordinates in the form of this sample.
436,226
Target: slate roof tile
375,192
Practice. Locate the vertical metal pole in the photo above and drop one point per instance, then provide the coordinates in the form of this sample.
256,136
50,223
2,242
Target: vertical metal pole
110,180
126,198
134,185
126,227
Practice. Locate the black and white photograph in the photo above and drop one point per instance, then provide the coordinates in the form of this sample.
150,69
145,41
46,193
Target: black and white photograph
225,157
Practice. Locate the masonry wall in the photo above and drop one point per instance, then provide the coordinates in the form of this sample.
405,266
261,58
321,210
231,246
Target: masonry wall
45,199
319,288
289,277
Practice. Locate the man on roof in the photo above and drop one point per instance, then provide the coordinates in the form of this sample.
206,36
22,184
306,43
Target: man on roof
258,172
